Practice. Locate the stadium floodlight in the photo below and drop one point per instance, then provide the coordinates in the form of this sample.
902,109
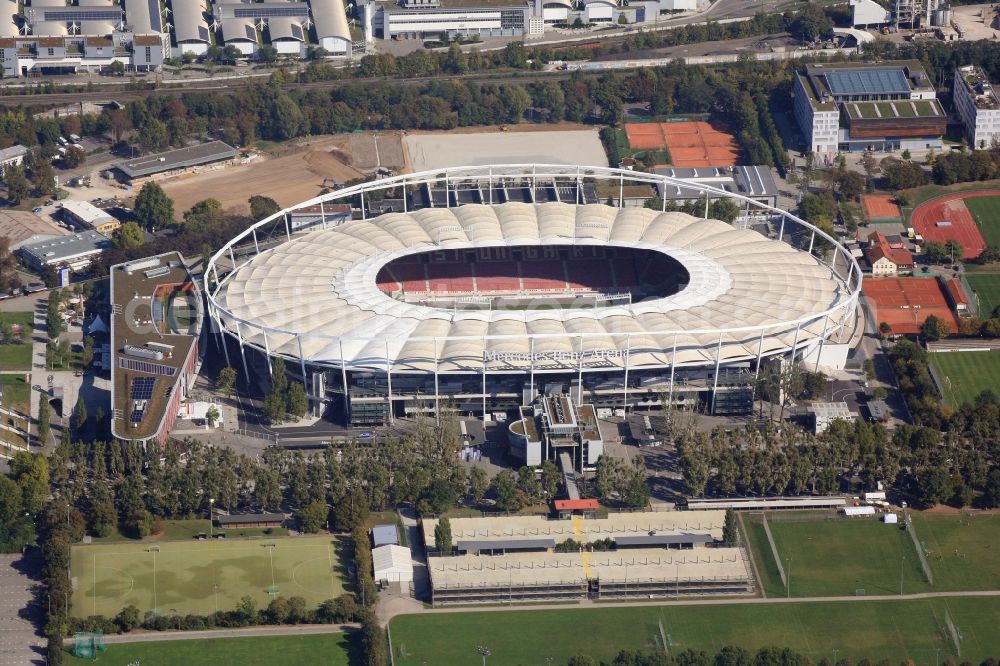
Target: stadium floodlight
485,651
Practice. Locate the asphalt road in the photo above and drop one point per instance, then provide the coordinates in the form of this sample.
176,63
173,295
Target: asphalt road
290,630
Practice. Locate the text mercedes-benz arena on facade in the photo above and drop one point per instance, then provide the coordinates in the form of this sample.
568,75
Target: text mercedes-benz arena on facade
485,287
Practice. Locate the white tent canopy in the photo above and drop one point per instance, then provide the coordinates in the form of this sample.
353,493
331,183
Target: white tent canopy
392,564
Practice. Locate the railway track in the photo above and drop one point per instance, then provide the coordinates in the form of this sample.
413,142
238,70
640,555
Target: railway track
123,95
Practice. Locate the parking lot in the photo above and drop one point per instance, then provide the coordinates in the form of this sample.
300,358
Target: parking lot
20,641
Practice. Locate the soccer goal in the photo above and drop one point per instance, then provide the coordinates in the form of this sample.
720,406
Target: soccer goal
86,644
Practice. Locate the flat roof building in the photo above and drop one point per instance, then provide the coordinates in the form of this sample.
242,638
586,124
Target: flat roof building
12,156
174,160
155,324
76,251
977,105
383,535
443,19
754,182
88,216
642,573
22,227
825,413
867,106
250,520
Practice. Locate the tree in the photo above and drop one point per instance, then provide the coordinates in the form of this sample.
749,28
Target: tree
298,401
885,328
261,207
478,484
850,185
129,236
275,406
9,279
212,415
442,536
226,380
286,119
312,517
44,415
247,609
935,253
128,618
153,207
351,511
724,209
437,498
901,175
373,641
203,215
74,157
18,187
278,611
811,24
103,517
505,488
934,485
117,67
934,328
153,135
267,53
10,501
954,249
730,531
80,415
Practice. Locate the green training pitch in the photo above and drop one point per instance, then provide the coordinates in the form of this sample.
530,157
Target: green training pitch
893,630
964,375
327,649
828,555
200,577
986,212
987,288
963,549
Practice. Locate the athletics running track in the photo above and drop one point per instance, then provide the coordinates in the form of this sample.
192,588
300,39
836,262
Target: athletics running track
951,208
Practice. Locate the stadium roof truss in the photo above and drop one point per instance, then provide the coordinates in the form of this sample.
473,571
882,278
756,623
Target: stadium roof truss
313,298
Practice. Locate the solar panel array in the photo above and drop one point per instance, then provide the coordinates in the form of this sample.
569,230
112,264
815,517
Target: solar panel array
142,388
299,10
867,82
138,411
88,14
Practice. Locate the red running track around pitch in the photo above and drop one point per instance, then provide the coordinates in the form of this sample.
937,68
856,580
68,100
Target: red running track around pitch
951,208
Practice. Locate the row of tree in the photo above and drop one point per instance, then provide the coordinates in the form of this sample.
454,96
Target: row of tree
734,655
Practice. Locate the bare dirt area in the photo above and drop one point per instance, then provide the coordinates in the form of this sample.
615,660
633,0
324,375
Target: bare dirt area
288,175
977,21
545,144
371,151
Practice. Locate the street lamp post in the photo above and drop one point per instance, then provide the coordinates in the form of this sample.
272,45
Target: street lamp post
211,513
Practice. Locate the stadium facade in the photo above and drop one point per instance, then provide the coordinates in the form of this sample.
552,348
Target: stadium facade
489,286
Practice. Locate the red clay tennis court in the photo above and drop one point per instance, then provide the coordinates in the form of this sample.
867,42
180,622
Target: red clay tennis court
905,303
946,218
880,207
691,143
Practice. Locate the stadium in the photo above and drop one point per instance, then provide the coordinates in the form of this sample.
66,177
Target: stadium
481,288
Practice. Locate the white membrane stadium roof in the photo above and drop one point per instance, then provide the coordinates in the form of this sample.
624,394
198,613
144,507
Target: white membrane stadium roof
319,290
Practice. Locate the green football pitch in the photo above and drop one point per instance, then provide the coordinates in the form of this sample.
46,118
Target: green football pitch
827,555
986,212
859,628
962,549
201,577
965,374
987,288
326,649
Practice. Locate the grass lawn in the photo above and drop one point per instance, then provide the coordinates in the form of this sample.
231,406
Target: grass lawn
327,649
200,577
964,375
986,212
893,630
16,392
832,556
17,356
962,549
987,287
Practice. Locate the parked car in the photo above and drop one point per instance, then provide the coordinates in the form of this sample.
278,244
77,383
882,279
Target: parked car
34,287
36,210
